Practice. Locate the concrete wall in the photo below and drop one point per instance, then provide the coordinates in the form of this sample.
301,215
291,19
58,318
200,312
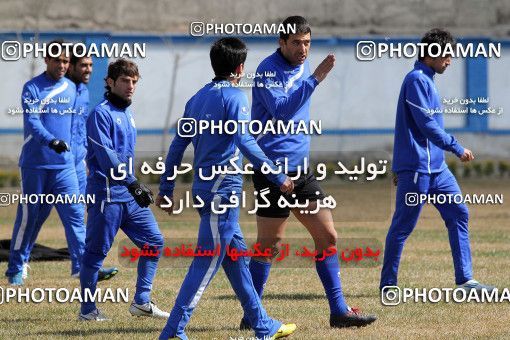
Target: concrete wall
356,95
330,17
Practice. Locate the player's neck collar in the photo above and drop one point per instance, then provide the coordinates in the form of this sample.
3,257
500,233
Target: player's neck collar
426,69
77,83
279,53
117,101
50,79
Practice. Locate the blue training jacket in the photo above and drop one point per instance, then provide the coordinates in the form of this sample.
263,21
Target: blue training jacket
111,134
420,139
79,122
291,101
47,114
217,101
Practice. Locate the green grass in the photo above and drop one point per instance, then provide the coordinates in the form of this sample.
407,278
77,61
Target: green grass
295,294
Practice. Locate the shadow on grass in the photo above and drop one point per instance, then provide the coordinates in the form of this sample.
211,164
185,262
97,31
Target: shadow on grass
206,329
119,330
300,296
27,319
98,331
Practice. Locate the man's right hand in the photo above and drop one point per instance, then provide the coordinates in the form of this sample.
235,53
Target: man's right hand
467,156
59,146
141,194
324,67
160,200
287,187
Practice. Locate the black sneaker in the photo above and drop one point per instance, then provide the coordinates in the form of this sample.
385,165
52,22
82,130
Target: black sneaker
354,318
244,326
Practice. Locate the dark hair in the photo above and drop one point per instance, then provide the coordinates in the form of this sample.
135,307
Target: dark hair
52,48
80,50
226,54
121,67
438,36
300,24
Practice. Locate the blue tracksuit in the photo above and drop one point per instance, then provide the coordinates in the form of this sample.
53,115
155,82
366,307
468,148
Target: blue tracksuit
43,171
285,97
79,150
291,101
217,101
418,161
111,134
79,133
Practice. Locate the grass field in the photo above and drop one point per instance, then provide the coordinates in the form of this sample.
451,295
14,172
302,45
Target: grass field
295,294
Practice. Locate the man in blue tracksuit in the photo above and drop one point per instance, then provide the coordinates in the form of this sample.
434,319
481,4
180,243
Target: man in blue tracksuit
419,164
218,102
79,72
121,202
47,165
286,97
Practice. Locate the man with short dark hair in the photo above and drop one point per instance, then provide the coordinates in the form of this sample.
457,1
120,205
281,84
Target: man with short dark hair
79,72
219,101
121,201
292,102
419,164
47,165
